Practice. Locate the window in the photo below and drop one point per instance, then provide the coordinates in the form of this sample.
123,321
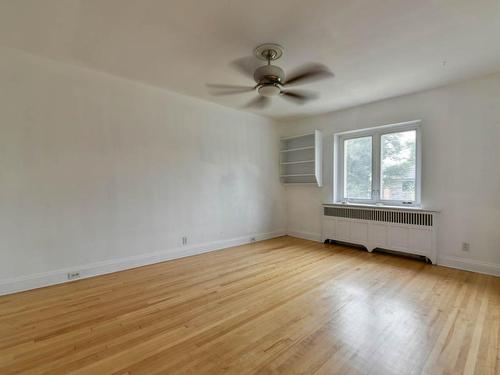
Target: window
379,165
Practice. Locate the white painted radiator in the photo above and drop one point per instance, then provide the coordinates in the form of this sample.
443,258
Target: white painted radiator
406,230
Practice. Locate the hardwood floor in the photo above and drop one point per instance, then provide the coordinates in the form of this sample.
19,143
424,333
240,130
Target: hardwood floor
285,306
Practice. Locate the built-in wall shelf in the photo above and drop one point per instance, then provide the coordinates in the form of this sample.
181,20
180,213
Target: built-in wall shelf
298,149
297,162
300,159
297,175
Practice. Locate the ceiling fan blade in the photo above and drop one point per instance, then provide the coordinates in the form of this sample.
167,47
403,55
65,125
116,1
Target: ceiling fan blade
308,73
298,97
246,65
226,93
259,102
228,89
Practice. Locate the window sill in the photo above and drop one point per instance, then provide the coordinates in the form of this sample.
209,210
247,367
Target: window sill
381,206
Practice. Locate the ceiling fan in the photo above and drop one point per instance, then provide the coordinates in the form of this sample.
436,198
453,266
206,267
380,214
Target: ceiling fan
271,80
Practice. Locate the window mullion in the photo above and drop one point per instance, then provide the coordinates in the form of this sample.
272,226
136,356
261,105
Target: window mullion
376,168
340,172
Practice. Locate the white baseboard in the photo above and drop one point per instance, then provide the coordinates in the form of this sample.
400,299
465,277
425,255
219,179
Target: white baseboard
305,235
469,265
22,283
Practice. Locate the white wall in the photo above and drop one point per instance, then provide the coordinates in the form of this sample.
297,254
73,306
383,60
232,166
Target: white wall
99,173
461,165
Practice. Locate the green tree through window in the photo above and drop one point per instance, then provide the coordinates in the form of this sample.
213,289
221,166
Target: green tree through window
358,168
398,166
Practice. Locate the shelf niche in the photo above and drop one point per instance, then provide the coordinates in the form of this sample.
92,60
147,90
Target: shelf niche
300,159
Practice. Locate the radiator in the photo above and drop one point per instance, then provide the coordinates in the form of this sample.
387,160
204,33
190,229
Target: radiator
406,230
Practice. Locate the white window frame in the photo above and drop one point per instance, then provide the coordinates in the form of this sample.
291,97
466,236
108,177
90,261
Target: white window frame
376,134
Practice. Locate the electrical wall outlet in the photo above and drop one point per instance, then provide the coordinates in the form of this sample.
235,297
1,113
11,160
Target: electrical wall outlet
73,275
465,246
184,240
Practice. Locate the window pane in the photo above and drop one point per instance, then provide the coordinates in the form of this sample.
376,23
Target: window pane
398,166
358,168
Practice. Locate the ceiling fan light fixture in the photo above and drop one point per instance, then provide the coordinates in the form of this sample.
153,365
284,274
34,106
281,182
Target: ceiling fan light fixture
269,90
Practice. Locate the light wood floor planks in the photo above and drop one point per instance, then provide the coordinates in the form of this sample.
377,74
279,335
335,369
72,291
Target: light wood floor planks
285,306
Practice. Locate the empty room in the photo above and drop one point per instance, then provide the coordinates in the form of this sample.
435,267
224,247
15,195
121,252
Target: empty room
249,187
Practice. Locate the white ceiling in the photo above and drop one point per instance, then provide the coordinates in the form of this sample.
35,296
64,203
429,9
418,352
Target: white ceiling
377,49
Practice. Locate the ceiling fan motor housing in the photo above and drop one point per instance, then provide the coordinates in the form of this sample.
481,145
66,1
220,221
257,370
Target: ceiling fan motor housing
269,74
